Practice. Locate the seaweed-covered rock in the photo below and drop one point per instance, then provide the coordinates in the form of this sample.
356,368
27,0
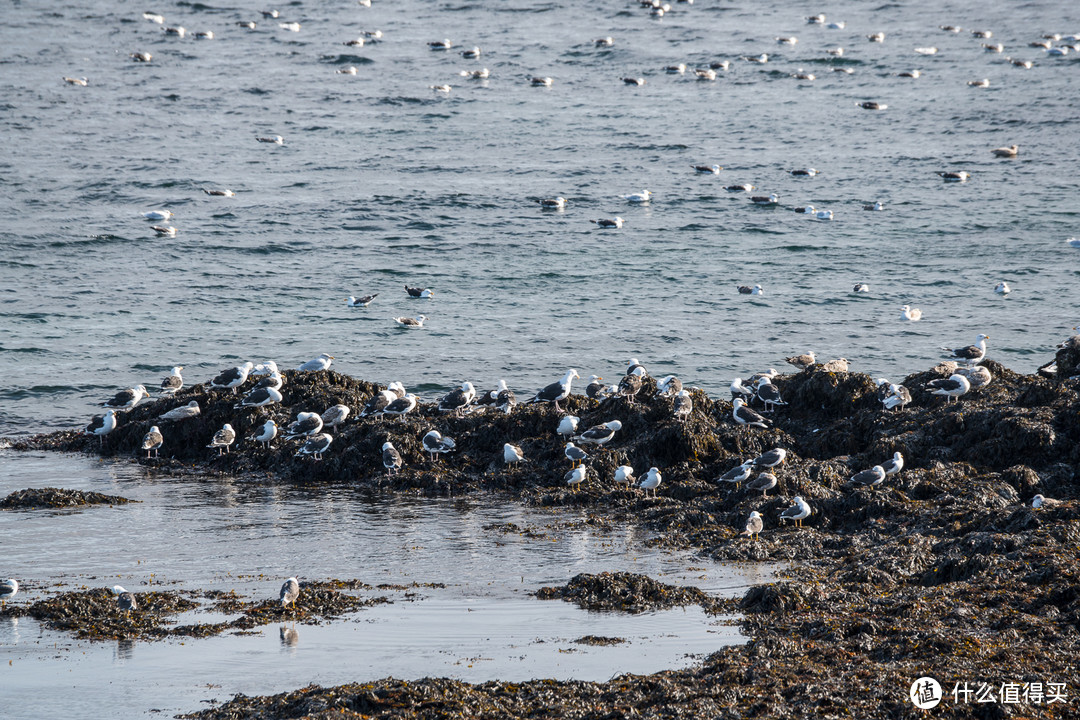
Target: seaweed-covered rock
50,497
626,592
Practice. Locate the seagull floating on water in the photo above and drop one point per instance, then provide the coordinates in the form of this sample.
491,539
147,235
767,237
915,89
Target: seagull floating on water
861,288
615,222
910,314
425,293
707,169
747,290
408,322
769,201
272,139
362,301
1006,152
642,197
1002,288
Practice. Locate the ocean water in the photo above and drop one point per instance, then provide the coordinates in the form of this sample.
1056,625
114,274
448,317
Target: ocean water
225,534
382,182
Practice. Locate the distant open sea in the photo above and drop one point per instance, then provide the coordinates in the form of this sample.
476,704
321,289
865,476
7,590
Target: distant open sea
383,182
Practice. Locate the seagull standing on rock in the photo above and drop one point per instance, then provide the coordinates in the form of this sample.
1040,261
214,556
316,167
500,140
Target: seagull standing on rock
797,512
512,454
972,354
745,416
951,387
651,481
754,525
556,391
600,434
391,458
763,482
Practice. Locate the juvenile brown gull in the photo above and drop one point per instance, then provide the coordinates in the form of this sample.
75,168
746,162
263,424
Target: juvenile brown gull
152,441
764,482
754,525
183,412
335,415
290,591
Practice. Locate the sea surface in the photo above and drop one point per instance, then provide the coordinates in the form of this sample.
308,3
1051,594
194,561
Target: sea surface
383,182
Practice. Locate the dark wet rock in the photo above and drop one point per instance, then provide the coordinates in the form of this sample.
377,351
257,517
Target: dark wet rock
599,640
627,592
52,498
95,615
943,568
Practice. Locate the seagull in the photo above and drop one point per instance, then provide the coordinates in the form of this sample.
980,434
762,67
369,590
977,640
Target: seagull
951,387
401,406
910,314
788,40
568,425
835,52
127,399
604,41
893,465
633,365
81,82
745,416
266,433
575,454
555,203
770,459
838,25
233,377
8,589
141,57
1006,152
824,214
441,88
876,37
600,434
556,391
182,413
290,591
472,53
763,482
676,69
506,399
769,394
1002,288
335,415
740,390
641,197
818,19
576,476
899,396
458,399
754,525
873,476
984,83
177,31
878,205
624,475
408,322
481,74
747,290
158,214
363,301
154,17
630,385
909,74
260,397
769,201
164,230
101,425
615,222
272,139
707,169
955,176
541,82
595,388
669,385
1026,64
152,441
797,512
651,481
125,600
265,368
223,438
1038,502
633,80
684,405
805,172
745,187
316,445
861,288
705,74
436,443
322,362
973,354
391,458
225,192
305,424
737,474
440,44
802,361
290,26
871,105
512,454
204,35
